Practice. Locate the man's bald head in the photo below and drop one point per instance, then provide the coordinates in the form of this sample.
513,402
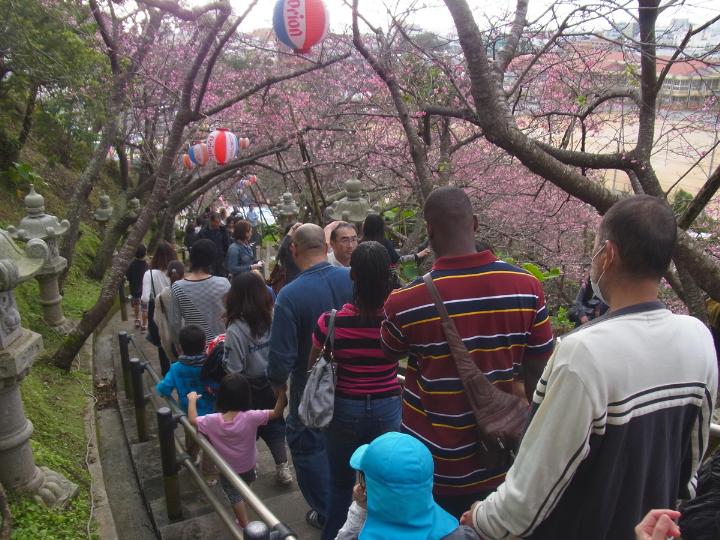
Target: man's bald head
450,221
309,239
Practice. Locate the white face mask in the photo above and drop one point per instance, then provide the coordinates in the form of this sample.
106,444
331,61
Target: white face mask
596,284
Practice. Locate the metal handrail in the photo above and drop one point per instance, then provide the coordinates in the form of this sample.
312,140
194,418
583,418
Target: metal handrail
248,495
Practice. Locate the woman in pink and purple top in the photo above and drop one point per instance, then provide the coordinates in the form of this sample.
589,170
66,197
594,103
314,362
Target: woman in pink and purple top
367,394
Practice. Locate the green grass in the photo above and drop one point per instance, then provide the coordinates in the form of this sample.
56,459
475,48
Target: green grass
80,292
56,402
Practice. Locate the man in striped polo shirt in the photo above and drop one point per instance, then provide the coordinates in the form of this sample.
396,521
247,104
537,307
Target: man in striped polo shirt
500,313
622,413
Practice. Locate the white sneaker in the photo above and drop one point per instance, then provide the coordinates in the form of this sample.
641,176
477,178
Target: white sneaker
282,474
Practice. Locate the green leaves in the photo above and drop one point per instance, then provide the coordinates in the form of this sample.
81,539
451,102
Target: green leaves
540,274
20,175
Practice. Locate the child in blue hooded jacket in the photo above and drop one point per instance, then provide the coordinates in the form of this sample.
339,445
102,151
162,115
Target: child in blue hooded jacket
393,496
184,375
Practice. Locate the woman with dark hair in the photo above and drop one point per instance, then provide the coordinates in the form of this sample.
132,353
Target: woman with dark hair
367,393
241,255
156,281
285,269
374,229
248,316
163,303
135,274
199,298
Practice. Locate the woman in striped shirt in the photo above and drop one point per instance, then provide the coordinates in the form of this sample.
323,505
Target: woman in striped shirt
367,394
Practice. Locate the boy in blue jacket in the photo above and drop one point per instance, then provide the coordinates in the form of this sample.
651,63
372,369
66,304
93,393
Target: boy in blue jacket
184,375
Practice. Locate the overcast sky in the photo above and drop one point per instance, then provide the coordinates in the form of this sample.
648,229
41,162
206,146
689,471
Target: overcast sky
435,16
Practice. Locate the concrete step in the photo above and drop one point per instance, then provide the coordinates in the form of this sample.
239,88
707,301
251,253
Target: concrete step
200,521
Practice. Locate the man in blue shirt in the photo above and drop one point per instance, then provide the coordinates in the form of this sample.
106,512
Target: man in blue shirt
318,288
253,216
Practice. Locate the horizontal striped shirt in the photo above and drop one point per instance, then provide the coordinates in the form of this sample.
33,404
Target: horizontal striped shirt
362,367
500,313
200,302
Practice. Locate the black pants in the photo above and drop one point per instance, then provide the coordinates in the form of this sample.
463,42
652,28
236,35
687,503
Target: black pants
164,360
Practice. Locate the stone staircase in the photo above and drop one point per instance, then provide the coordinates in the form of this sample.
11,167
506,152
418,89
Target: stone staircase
136,495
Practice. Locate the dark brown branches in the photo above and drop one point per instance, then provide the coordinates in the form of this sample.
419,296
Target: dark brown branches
384,71
462,114
215,55
681,48
507,53
696,206
648,92
499,127
105,33
588,160
266,83
173,7
232,166
545,48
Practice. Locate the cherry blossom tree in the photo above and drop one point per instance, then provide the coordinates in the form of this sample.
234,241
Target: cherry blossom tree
216,25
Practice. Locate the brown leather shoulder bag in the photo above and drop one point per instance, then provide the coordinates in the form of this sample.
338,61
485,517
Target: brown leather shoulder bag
501,417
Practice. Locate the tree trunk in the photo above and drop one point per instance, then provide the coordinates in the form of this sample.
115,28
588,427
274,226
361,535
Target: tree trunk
28,118
117,228
84,186
692,295
70,347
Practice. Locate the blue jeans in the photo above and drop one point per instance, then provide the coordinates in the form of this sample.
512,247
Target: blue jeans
273,433
355,422
307,448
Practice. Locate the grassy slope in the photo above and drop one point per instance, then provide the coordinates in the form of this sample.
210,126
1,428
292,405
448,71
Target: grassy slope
55,402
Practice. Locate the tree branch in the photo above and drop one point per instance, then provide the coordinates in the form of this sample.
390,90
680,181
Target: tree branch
505,56
417,147
690,33
215,55
707,192
648,11
106,37
587,160
173,7
462,114
269,82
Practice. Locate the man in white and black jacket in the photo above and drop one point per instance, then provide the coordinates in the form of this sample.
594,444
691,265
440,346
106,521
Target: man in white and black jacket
621,414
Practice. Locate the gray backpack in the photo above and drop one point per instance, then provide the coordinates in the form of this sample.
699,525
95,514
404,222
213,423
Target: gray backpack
318,399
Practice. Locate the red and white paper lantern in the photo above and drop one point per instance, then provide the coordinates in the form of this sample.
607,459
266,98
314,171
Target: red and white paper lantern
222,145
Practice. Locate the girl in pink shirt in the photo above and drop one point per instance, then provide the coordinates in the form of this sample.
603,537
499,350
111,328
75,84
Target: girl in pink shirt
233,430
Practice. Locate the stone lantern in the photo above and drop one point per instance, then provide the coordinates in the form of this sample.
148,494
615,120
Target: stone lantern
287,210
352,208
39,225
133,208
18,348
103,214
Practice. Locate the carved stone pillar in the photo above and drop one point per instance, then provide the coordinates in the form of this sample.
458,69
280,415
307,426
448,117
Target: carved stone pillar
39,225
18,349
352,208
104,212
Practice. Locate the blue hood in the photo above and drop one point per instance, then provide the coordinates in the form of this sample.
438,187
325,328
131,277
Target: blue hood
398,473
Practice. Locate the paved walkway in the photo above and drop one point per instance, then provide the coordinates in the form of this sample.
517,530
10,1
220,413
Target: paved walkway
286,502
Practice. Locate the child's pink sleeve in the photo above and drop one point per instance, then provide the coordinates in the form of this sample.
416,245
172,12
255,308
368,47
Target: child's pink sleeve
259,418
204,424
